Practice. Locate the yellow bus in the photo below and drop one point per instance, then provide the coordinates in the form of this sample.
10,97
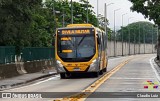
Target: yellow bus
80,48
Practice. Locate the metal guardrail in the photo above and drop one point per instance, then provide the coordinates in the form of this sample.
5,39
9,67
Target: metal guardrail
7,54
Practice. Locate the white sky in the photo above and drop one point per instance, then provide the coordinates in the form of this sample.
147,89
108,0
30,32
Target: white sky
125,8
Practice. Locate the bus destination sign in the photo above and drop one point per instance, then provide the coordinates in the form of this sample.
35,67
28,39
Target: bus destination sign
76,31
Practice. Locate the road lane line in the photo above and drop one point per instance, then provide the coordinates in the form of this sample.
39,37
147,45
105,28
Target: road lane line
89,90
151,61
130,78
52,78
37,83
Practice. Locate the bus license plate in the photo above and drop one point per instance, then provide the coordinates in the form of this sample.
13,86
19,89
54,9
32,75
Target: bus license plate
76,69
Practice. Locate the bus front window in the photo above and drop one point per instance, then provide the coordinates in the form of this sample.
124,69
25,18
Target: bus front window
76,48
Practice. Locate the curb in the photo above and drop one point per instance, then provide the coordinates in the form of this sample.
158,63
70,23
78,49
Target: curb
10,86
157,66
157,62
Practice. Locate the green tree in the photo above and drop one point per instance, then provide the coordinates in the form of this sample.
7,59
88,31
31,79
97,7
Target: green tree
79,12
15,18
145,29
149,8
25,23
29,23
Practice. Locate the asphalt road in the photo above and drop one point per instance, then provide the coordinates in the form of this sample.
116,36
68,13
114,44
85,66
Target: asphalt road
130,78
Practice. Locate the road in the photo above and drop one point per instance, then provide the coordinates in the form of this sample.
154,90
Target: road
130,78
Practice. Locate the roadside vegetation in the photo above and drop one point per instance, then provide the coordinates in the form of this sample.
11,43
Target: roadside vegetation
139,32
32,23
149,8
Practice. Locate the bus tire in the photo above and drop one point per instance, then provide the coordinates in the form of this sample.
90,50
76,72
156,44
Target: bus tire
101,72
62,75
105,70
95,74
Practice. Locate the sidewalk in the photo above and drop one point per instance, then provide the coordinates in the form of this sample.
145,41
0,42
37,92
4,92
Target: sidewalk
25,78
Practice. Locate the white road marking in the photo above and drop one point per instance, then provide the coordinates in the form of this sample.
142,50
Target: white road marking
130,78
151,62
52,78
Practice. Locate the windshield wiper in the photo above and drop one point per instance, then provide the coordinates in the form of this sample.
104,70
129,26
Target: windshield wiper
81,40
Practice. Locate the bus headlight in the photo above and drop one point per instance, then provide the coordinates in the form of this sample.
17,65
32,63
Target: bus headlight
60,66
93,66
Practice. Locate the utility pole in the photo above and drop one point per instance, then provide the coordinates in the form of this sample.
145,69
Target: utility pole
134,41
54,14
71,12
105,13
122,33
129,36
152,37
115,31
139,38
63,17
105,25
97,14
144,39
87,11
157,42
129,41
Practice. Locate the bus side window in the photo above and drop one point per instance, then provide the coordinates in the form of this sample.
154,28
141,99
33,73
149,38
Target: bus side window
98,39
103,38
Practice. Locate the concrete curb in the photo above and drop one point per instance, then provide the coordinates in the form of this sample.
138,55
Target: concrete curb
10,86
157,62
157,65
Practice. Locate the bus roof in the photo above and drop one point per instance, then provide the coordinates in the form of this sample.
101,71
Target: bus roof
80,25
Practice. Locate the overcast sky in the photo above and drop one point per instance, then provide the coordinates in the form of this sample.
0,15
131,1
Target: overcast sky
125,8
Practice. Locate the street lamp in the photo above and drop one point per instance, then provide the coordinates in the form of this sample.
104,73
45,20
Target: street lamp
144,38
105,14
157,42
152,37
122,30
87,11
71,12
97,14
114,31
63,15
139,37
54,14
65,20
129,34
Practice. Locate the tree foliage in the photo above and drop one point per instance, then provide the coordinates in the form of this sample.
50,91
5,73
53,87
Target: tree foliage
16,18
79,12
149,8
144,29
29,23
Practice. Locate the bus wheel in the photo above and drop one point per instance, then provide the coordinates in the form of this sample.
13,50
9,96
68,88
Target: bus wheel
95,74
105,70
62,75
101,72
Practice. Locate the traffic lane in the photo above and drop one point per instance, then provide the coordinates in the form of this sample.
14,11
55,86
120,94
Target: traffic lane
130,78
114,61
55,84
63,85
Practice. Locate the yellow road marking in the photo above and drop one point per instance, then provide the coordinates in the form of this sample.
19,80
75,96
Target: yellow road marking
89,90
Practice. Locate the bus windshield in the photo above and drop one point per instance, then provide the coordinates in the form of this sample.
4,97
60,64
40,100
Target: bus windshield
76,48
